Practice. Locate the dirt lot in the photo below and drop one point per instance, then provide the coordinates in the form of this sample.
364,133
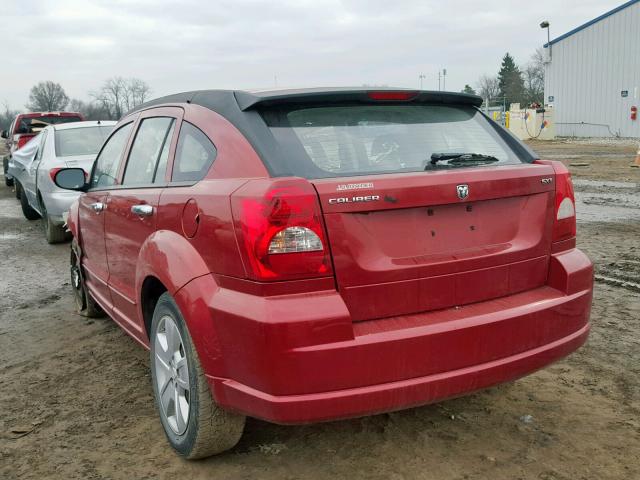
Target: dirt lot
76,397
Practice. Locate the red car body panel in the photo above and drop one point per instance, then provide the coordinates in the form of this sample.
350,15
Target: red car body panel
271,360
393,324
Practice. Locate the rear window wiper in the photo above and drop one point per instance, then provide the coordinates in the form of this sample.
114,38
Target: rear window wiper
460,158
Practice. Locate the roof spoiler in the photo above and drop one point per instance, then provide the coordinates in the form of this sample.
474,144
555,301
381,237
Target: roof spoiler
250,100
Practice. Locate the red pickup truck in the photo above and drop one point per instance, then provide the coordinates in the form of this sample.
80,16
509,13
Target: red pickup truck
26,126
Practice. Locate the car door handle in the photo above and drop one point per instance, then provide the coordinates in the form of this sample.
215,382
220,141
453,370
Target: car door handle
97,207
142,210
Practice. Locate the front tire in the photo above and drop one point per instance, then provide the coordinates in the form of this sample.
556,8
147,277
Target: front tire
194,425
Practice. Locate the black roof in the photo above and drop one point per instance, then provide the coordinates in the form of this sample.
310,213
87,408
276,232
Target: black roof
240,108
221,100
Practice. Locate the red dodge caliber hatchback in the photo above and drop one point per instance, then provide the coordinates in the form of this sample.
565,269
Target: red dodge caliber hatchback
308,255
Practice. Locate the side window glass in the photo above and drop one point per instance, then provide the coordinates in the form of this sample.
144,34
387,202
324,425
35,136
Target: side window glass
149,149
107,163
194,155
161,169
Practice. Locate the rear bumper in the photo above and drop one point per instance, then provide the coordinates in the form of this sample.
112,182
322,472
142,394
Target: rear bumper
58,203
299,358
317,407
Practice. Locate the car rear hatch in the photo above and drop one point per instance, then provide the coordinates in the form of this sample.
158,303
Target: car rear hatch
409,243
408,232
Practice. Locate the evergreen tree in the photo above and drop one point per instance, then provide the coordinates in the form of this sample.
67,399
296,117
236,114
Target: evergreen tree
510,81
468,89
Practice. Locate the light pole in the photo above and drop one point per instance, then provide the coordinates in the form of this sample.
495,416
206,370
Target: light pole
422,76
444,79
547,76
545,25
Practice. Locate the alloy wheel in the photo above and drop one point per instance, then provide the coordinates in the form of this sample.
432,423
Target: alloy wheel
172,375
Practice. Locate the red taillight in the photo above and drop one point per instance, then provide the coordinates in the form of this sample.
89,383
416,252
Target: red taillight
564,226
397,96
280,230
52,173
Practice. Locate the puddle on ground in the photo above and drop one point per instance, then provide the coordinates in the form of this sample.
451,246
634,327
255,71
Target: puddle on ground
4,237
607,207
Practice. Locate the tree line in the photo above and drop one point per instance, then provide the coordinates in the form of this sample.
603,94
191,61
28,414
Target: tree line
513,84
114,98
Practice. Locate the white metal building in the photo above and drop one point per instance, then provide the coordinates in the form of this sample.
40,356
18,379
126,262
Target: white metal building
592,78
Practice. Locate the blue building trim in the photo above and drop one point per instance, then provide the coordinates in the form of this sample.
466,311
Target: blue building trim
588,24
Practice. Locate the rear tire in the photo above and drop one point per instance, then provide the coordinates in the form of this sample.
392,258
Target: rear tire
53,232
194,424
28,212
17,190
8,181
85,304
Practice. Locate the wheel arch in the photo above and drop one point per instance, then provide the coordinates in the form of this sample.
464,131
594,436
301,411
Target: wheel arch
166,262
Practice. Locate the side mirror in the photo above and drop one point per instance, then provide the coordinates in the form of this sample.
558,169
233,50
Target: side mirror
4,134
70,179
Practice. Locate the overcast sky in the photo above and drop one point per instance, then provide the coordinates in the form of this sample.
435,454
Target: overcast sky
184,45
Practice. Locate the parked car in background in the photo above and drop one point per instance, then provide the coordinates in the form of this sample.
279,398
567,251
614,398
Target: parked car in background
34,166
26,126
308,255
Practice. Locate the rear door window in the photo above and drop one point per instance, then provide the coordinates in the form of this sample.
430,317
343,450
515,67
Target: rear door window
80,141
347,140
194,155
149,152
106,167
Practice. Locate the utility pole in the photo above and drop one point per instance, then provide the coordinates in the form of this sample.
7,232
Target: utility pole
439,75
422,76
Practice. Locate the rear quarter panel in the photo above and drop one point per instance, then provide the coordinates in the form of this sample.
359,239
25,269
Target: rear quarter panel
201,213
194,234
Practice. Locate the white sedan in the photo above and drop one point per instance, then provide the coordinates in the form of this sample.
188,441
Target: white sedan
34,167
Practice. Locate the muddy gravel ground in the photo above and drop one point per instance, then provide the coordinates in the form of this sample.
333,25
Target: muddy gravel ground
76,400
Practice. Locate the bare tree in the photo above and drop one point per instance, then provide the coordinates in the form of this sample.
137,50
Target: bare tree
47,97
488,87
119,95
7,115
533,73
138,92
91,110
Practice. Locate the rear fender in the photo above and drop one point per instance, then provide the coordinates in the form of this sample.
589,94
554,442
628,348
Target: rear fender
171,259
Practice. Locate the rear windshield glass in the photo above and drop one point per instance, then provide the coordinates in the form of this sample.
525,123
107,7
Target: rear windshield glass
336,141
35,124
81,141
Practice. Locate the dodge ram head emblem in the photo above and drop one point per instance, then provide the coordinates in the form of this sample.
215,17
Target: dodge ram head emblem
463,191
